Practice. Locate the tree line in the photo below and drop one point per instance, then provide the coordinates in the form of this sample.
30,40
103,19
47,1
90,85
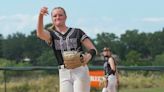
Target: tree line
132,47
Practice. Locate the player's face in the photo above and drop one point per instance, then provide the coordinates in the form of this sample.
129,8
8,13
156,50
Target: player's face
106,53
58,17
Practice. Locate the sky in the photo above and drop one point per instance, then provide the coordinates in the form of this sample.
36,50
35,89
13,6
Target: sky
92,16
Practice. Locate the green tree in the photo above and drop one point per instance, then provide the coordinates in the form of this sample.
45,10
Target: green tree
132,58
159,60
136,41
13,46
47,58
130,39
143,46
156,43
33,47
105,40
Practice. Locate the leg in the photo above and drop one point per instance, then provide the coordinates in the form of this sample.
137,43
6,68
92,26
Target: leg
81,79
66,87
104,90
66,84
111,83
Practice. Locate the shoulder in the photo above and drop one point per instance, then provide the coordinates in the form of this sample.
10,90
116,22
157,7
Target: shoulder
50,30
111,59
77,29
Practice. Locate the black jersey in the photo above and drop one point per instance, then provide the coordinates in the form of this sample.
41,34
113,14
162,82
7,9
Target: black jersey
70,41
107,67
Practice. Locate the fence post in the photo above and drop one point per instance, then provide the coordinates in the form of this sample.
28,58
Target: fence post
4,73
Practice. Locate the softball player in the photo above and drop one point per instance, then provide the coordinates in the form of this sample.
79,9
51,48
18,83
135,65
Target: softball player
73,69
110,70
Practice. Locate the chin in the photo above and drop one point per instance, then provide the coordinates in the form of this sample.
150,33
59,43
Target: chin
58,24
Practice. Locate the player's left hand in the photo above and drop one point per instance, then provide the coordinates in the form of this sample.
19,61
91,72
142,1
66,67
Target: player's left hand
86,58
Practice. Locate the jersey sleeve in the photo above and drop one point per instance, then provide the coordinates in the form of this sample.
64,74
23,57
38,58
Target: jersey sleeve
82,35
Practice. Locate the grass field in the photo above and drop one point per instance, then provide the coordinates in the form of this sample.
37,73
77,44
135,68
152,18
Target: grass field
137,90
143,90
122,90
36,82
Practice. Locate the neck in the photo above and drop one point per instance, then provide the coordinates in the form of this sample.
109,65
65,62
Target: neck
61,28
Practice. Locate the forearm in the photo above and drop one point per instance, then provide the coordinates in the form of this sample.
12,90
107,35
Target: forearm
40,26
44,35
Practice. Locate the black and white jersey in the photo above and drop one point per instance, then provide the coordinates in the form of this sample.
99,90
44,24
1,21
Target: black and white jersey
107,67
70,41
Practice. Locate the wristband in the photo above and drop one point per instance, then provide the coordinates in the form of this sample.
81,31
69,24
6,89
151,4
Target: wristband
113,72
92,52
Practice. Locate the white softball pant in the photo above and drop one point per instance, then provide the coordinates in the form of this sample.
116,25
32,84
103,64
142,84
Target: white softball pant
111,87
74,80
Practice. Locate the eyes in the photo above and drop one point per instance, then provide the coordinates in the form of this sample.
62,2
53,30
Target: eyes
106,50
58,15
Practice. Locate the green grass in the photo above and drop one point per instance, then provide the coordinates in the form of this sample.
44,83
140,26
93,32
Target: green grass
122,90
136,90
132,82
143,90
40,84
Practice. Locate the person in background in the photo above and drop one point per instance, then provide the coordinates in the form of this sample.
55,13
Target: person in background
67,43
110,71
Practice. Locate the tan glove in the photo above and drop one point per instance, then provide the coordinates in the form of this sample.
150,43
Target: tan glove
72,59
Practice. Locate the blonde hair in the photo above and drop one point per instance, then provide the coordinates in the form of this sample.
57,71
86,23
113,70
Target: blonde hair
59,8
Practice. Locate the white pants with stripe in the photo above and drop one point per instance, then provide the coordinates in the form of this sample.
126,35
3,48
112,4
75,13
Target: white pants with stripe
111,87
74,80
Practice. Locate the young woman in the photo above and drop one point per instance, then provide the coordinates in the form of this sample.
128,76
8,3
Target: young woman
67,43
110,70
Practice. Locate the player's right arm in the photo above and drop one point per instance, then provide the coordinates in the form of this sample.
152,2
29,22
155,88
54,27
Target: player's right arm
41,33
112,64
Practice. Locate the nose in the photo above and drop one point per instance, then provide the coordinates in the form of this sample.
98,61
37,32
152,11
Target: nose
57,17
